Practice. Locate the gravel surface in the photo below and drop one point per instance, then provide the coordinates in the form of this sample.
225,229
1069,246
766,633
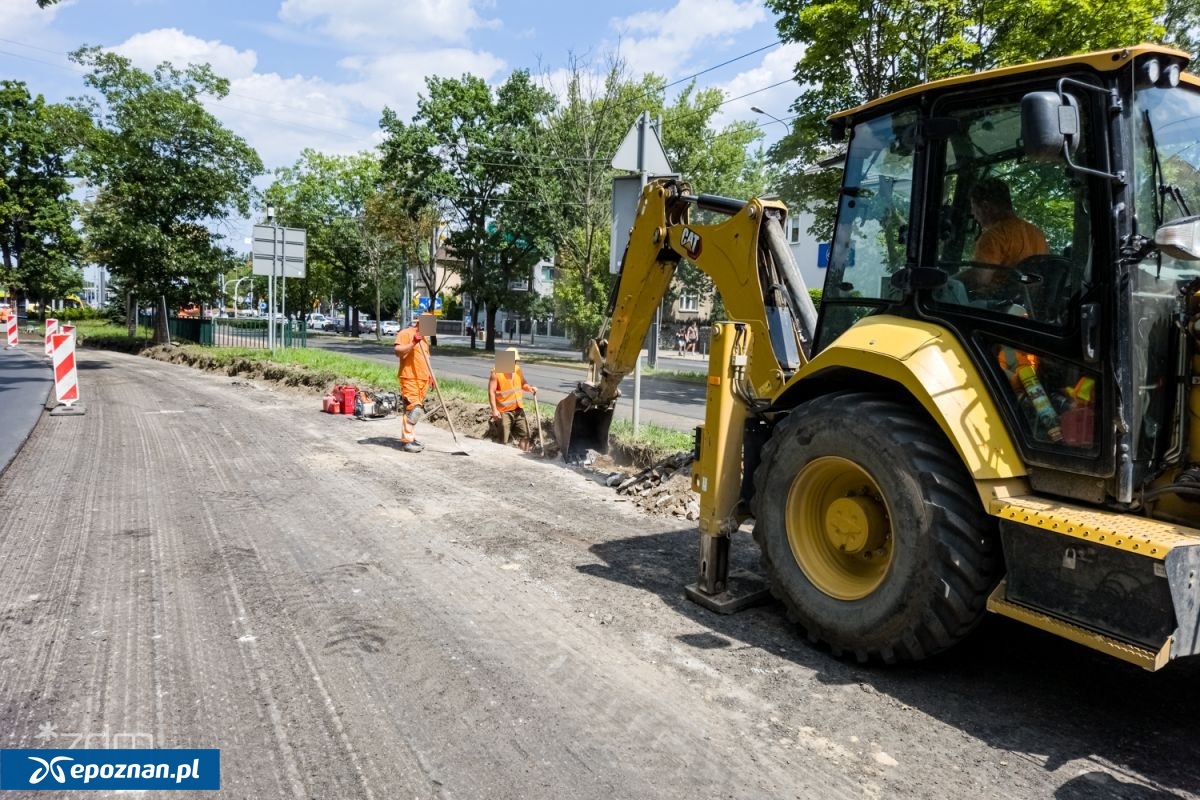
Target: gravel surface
206,561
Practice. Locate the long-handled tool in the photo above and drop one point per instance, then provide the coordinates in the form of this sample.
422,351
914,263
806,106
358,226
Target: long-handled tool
537,413
445,408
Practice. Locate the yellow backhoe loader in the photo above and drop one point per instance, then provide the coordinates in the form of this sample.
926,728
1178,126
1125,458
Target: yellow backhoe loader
933,444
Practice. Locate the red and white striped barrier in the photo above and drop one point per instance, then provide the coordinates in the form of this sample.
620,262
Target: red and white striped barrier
51,329
66,384
13,341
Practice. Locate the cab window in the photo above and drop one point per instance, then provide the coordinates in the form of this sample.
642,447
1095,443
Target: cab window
1013,234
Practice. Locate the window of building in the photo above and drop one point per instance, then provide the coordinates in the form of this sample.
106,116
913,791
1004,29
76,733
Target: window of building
689,301
548,274
794,229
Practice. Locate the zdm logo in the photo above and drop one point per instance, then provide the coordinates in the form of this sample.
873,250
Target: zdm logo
115,769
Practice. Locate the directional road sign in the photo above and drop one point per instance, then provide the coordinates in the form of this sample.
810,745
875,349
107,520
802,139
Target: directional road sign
279,251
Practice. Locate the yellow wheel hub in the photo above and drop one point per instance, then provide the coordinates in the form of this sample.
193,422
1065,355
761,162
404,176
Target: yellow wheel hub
839,528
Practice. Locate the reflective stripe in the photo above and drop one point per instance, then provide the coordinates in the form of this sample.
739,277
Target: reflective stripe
508,390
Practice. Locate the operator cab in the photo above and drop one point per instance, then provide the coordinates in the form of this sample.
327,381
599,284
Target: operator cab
1076,335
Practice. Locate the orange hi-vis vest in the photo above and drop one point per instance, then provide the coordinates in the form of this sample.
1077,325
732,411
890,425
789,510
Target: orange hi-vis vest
508,390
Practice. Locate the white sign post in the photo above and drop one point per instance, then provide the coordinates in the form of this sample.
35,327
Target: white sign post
278,251
642,152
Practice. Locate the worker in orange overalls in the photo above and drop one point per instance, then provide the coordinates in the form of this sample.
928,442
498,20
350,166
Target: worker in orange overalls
416,377
505,390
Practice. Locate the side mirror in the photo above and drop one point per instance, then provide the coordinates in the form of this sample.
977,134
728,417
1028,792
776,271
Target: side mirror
1049,125
1180,239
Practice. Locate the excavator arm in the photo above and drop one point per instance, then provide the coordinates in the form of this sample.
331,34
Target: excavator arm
745,253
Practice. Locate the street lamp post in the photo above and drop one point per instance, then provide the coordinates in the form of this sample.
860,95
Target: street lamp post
236,284
758,110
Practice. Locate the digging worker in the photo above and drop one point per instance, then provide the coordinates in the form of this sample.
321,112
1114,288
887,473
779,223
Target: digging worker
505,390
415,379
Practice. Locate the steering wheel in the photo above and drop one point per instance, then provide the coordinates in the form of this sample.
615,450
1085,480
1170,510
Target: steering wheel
1011,290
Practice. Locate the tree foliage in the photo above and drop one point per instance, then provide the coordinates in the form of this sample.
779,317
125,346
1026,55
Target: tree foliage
164,168
860,50
571,175
39,246
349,252
462,152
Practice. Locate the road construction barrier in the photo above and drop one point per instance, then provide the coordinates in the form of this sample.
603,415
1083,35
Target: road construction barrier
51,329
13,341
66,383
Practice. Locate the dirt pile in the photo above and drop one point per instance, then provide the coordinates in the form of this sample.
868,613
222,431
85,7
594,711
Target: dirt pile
663,489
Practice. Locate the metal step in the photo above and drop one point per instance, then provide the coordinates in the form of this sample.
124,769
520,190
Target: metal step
1141,656
1122,531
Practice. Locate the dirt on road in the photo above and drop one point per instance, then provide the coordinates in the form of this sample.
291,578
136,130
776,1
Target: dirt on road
208,561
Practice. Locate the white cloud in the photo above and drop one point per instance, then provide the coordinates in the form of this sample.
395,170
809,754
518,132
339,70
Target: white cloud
279,117
22,17
395,80
148,50
777,65
654,41
375,23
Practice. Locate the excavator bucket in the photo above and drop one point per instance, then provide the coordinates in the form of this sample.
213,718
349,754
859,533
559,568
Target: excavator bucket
579,427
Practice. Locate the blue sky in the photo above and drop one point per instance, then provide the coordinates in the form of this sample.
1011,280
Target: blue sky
317,73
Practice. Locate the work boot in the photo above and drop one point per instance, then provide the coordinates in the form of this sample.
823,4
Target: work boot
412,447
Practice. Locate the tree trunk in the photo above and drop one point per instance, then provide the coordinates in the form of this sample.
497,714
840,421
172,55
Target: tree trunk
491,329
162,333
131,314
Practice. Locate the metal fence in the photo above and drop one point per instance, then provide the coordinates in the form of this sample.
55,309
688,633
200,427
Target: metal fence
250,333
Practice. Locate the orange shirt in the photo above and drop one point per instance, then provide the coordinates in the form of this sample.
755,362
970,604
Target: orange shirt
1009,242
415,366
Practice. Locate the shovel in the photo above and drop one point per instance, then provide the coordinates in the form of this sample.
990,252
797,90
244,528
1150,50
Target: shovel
537,413
437,387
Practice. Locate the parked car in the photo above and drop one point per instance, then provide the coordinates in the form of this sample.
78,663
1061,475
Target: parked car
316,321
366,325
389,327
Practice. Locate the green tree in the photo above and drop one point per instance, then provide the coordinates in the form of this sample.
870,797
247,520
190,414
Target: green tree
416,231
462,152
165,169
571,163
39,245
860,50
723,162
329,196
573,155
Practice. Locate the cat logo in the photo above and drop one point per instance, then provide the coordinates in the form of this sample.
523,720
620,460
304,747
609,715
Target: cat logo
690,240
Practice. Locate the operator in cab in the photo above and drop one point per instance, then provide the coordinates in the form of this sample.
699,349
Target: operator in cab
1005,240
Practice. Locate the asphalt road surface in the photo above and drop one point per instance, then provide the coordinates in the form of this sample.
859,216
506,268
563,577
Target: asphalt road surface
206,562
674,404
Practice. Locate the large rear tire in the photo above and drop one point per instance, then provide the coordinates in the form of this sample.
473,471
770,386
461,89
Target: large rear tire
871,530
